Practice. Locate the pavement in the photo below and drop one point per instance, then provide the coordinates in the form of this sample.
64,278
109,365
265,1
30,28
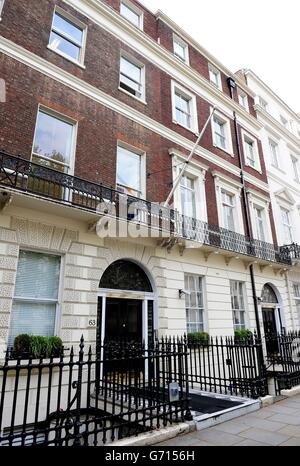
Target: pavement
275,425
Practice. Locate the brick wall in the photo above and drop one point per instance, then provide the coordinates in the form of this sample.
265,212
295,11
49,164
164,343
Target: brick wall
98,127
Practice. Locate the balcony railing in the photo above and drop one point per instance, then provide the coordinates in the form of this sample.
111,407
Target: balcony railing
292,249
25,176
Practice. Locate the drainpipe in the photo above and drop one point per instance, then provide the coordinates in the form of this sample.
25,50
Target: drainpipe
232,85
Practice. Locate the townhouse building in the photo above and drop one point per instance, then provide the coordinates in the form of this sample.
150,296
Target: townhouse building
102,104
280,136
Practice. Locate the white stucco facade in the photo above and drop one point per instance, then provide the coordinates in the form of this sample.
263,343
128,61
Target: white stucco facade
281,129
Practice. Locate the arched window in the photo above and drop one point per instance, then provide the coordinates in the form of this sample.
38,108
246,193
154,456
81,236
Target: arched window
125,275
268,295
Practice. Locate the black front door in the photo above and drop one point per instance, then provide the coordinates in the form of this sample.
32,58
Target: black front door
270,330
123,320
123,336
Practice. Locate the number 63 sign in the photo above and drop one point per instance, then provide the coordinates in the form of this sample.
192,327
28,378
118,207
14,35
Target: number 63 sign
92,323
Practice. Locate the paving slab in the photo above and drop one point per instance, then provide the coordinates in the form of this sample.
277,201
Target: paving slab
251,443
260,435
275,425
291,442
286,419
216,437
293,431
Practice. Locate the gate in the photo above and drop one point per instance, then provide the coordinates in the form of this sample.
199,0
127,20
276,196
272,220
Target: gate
71,400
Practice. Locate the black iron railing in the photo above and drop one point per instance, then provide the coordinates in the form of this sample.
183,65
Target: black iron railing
292,249
228,366
94,399
23,175
283,357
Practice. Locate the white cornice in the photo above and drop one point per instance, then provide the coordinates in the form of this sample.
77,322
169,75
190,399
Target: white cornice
258,194
278,126
220,176
107,18
184,157
58,74
241,84
292,112
280,180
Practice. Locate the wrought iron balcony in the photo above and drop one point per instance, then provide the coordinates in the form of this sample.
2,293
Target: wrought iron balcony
292,249
21,175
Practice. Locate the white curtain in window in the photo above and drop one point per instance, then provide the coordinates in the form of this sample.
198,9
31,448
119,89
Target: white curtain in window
36,295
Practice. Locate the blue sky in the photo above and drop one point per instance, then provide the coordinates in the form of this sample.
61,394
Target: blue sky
263,35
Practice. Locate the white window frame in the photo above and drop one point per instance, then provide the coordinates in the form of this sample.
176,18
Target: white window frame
234,189
213,71
184,45
275,144
284,121
296,168
198,173
259,220
287,225
135,10
247,137
228,138
80,25
201,309
143,175
240,310
243,100
262,204
263,103
1,8
58,308
193,106
297,299
142,67
65,118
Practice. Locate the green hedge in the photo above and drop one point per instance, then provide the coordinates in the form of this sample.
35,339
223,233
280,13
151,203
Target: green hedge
242,335
198,338
37,346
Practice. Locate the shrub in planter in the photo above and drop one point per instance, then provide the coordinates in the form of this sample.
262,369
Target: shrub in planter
37,346
56,345
40,346
243,335
22,344
198,338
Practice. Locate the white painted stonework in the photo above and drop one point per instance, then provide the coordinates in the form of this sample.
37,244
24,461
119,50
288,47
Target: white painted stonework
86,257
283,185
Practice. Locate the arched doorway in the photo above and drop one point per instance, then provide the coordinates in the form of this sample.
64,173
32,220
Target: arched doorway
126,302
272,319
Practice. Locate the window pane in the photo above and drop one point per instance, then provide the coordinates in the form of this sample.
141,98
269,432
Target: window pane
33,319
37,276
182,103
53,138
66,27
57,42
237,303
131,70
129,169
179,50
131,15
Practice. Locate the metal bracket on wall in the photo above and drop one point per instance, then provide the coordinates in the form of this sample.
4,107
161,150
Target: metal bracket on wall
5,200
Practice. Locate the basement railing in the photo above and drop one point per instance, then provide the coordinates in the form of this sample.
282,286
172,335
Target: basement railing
22,175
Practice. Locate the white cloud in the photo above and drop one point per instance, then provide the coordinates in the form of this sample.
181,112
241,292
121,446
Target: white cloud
262,35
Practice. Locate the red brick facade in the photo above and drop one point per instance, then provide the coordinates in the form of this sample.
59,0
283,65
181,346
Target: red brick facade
28,24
